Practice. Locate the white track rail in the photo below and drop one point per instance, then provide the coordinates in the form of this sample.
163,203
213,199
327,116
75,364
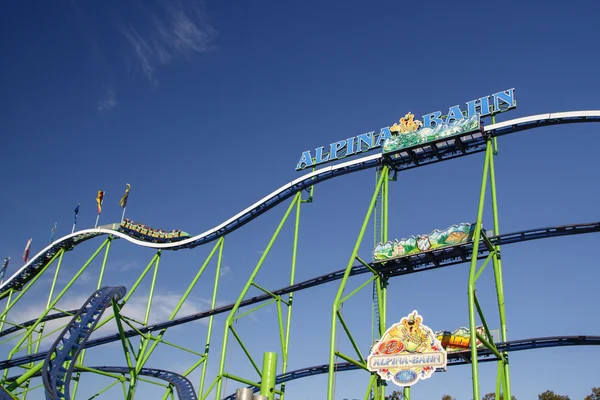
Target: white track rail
525,122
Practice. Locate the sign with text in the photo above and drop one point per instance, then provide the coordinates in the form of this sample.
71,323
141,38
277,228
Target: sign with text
407,352
432,122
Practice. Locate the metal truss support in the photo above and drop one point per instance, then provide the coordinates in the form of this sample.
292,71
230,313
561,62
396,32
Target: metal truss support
503,378
51,305
98,286
149,342
284,333
380,286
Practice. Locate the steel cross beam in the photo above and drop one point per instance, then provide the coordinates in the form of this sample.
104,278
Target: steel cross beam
446,256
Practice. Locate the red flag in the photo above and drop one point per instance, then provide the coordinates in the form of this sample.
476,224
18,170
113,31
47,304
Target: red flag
26,252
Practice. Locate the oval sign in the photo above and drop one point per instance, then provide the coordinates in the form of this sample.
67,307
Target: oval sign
391,347
405,376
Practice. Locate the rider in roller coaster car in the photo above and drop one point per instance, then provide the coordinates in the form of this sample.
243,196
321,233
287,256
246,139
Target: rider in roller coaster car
149,234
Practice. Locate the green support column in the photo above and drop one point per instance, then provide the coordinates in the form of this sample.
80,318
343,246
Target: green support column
338,299
503,372
504,375
38,366
210,319
98,286
286,346
146,352
472,272
269,375
231,317
43,324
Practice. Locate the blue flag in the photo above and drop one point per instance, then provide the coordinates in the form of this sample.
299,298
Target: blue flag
76,212
3,270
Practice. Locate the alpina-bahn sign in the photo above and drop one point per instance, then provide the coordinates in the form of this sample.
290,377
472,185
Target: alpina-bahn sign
484,106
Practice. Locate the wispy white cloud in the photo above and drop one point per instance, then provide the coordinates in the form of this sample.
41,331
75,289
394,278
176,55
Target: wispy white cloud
179,30
163,305
225,270
108,101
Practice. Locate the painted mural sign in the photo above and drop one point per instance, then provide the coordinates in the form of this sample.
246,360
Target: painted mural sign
460,339
455,234
410,133
407,352
432,122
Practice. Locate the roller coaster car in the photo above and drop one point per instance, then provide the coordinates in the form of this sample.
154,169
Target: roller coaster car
147,235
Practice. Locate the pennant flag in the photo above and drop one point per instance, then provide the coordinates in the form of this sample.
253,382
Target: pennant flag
123,201
76,213
3,270
26,252
99,200
53,231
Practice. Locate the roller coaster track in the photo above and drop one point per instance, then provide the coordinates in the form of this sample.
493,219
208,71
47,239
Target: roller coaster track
59,361
432,152
59,365
454,359
183,386
437,258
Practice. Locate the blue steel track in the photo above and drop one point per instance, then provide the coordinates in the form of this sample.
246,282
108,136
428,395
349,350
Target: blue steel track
430,153
56,377
454,359
438,258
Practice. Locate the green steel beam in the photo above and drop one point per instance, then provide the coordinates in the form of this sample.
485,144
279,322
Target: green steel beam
38,366
9,306
210,320
472,274
505,376
98,286
337,303
269,375
144,356
231,317
284,356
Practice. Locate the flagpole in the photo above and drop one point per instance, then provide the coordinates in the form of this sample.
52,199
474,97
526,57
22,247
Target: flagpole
97,218
123,215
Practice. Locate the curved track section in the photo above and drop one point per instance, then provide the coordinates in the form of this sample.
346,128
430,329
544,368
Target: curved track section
438,258
4,395
429,153
454,359
59,362
185,389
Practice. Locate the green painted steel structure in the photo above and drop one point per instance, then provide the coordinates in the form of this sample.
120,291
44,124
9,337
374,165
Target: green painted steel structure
138,349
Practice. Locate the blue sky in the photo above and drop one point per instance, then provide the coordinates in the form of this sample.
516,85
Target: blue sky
206,108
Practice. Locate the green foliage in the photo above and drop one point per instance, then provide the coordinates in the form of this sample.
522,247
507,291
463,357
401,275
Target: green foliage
595,395
492,396
396,395
550,395
447,397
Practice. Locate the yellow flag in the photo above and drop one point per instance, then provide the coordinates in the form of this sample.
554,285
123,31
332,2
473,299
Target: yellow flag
123,201
99,200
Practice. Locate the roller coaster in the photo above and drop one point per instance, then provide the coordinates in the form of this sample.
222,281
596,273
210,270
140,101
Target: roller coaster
61,365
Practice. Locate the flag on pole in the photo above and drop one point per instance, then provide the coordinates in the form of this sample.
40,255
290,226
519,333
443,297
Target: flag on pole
123,201
26,252
53,231
99,200
3,270
75,221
